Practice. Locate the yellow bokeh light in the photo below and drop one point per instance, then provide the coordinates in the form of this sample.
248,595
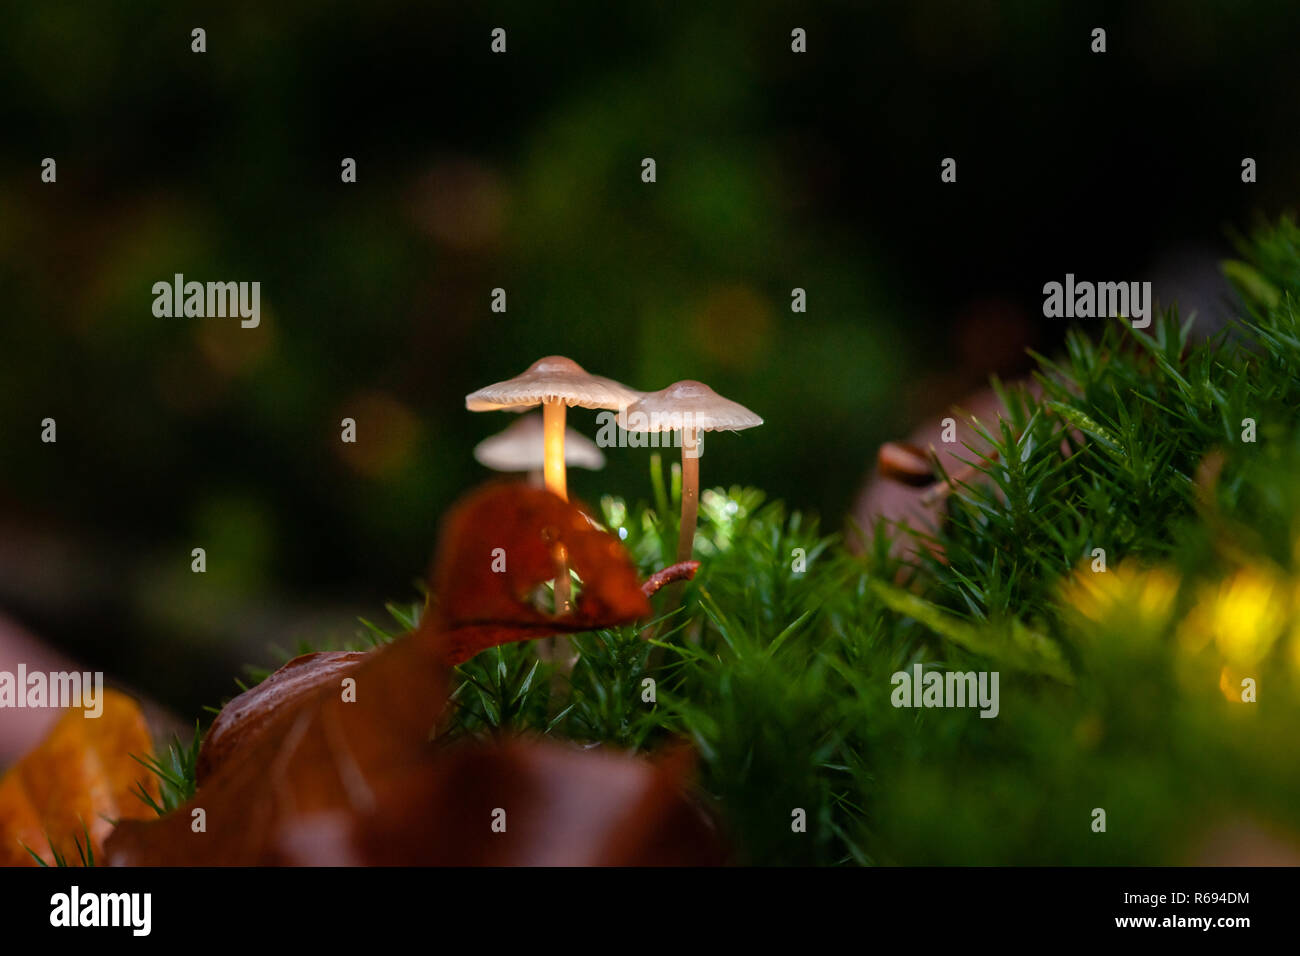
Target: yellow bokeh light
1242,615
1127,594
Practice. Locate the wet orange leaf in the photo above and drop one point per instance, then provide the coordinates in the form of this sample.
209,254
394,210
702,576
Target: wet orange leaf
82,774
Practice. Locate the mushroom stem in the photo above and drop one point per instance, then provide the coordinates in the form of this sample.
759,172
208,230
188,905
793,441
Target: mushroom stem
553,469
553,447
690,493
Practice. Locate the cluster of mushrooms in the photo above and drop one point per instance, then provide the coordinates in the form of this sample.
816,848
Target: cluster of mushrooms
542,442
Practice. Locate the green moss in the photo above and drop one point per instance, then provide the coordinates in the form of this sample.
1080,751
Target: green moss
781,677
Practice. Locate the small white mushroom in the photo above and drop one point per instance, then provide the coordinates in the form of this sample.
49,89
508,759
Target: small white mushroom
689,407
522,448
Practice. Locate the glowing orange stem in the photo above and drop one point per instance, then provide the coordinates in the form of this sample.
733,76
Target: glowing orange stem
553,447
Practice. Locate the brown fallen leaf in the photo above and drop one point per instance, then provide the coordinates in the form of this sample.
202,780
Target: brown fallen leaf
898,493
517,802
303,769
533,533
299,748
82,776
478,607
252,713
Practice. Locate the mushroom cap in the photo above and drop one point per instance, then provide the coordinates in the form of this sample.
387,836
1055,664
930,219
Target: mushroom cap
521,447
687,404
552,379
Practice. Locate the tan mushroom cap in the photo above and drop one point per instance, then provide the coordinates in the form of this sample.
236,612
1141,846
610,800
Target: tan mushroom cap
687,404
552,379
521,447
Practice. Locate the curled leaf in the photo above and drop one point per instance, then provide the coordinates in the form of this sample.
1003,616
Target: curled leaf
254,712
507,540
904,463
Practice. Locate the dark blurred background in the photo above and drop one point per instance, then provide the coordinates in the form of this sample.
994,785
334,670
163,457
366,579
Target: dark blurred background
522,171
